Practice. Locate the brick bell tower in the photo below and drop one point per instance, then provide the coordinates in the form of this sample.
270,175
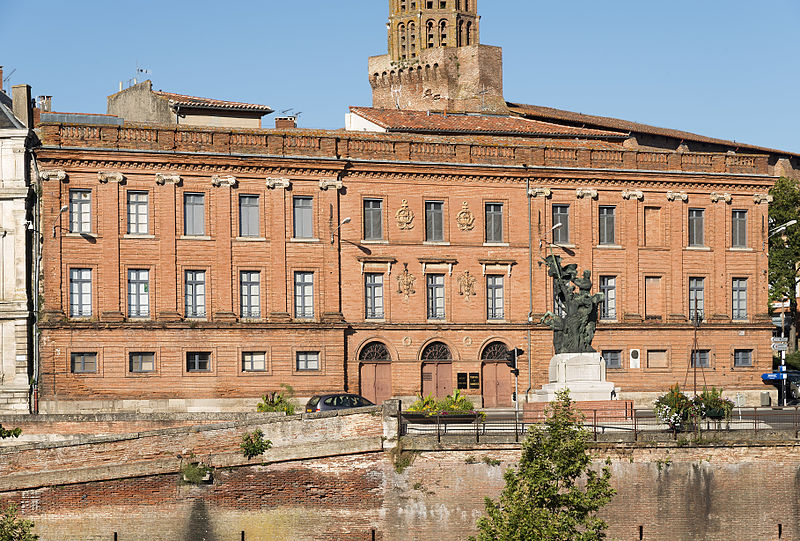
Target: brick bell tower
436,61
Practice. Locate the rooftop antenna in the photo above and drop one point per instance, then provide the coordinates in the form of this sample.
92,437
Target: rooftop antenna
5,79
482,94
287,111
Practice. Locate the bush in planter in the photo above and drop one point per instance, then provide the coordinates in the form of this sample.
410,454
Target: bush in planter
454,404
278,401
677,410
715,406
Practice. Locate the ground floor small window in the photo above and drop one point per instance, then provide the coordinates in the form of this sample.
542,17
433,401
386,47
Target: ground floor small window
743,357
198,361
613,358
307,360
254,361
701,358
83,363
142,362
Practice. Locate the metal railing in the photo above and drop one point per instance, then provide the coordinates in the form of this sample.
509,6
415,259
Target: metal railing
760,424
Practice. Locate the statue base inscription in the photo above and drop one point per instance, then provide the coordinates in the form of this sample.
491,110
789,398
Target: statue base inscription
584,374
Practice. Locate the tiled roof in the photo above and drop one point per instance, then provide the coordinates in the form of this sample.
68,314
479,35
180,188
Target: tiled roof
8,120
396,120
208,103
549,114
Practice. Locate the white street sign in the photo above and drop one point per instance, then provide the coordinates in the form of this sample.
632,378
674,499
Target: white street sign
780,347
780,340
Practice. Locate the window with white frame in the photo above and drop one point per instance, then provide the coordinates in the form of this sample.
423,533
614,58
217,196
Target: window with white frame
373,295
701,358
250,282
696,227
254,361
739,229
373,219
249,224
494,222
80,211
194,214
495,297
303,295
434,221
83,363
138,218
307,360
607,225
80,292
435,296
739,294
608,306
138,293
139,362
560,224
195,293
697,288
742,357
303,217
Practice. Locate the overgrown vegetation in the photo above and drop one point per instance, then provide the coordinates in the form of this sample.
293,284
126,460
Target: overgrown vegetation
253,444
278,401
13,433
15,528
195,473
542,498
453,404
680,412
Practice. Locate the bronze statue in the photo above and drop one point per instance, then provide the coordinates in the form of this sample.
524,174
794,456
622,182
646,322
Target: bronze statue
573,329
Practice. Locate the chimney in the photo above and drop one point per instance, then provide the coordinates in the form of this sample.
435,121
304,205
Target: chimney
283,122
45,103
21,104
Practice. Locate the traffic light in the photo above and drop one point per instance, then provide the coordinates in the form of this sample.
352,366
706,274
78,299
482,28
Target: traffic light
511,359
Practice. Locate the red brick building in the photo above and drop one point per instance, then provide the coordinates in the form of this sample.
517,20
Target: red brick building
198,267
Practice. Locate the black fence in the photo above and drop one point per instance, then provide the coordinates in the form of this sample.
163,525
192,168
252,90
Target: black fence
773,424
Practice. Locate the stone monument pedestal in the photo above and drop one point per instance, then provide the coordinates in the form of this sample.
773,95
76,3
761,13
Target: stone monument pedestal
584,374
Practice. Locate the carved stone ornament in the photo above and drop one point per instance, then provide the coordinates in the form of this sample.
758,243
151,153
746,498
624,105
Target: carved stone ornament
110,176
326,183
632,194
273,183
586,192
762,198
672,196
717,197
536,192
224,180
466,285
405,282
465,218
404,216
162,179
53,174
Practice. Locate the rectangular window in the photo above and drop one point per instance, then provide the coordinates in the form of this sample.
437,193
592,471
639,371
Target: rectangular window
436,296
250,293
304,295
697,288
657,358
613,358
83,363
80,211
198,361
248,216
137,213
739,229
254,361
653,228
494,222
560,224
307,360
742,357
138,293
373,219
494,297
607,225
194,214
701,358
608,287
303,217
80,292
141,362
373,293
195,293
739,298
434,221
696,224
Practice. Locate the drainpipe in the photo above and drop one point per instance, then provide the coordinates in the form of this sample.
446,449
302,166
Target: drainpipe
530,282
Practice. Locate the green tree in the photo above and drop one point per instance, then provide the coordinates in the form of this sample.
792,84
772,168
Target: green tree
5,433
15,528
784,249
554,493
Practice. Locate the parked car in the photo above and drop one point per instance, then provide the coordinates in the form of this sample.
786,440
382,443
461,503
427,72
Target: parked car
336,401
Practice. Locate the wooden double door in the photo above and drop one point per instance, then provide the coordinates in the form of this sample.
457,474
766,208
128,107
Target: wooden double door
498,385
437,378
376,381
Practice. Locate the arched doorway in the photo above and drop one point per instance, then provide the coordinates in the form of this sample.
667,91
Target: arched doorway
376,372
437,370
497,385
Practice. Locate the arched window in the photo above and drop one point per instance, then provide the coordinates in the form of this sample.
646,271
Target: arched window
402,5
436,351
468,40
401,32
412,39
375,351
460,34
431,34
443,33
494,351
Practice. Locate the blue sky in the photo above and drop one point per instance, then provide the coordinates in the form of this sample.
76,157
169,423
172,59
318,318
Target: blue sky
725,69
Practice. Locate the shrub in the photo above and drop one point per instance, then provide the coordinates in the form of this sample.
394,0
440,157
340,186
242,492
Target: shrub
254,444
15,528
278,401
675,408
715,406
455,403
5,433
195,473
